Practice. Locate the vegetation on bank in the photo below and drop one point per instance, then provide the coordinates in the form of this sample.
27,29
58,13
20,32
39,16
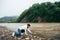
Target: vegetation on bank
8,19
44,12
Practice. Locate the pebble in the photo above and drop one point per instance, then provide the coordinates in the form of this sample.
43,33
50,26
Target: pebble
32,39
34,36
27,38
19,38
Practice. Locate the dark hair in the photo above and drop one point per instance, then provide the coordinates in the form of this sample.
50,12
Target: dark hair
28,25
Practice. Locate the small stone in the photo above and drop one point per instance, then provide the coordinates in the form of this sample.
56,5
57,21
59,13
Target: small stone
27,38
2,35
19,38
34,36
30,35
32,39
37,37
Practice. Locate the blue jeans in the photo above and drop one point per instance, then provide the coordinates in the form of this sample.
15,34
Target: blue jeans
18,33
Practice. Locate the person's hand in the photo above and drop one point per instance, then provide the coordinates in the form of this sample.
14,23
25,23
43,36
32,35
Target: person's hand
31,33
26,34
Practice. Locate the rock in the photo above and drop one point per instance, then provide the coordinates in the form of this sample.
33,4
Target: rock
32,39
27,38
19,38
34,36
39,38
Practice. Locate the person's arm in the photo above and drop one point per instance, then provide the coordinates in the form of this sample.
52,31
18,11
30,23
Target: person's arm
26,32
29,31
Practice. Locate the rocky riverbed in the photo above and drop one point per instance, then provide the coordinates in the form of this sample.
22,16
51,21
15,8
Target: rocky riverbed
5,34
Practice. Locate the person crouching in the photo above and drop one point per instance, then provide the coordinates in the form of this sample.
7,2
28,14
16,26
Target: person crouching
22,30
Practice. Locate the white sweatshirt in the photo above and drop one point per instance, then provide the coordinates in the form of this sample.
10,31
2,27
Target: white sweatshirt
25,28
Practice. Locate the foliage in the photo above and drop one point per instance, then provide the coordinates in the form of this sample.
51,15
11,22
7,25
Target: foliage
48,12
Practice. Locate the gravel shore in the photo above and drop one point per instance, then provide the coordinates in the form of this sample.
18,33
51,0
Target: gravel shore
5,34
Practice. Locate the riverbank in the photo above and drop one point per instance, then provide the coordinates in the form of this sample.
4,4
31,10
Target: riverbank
5,34
48,31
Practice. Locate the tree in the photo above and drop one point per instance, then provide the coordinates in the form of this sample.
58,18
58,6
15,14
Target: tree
45,12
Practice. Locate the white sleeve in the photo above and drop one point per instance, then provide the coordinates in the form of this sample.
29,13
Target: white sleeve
25,32
29,31
13,33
